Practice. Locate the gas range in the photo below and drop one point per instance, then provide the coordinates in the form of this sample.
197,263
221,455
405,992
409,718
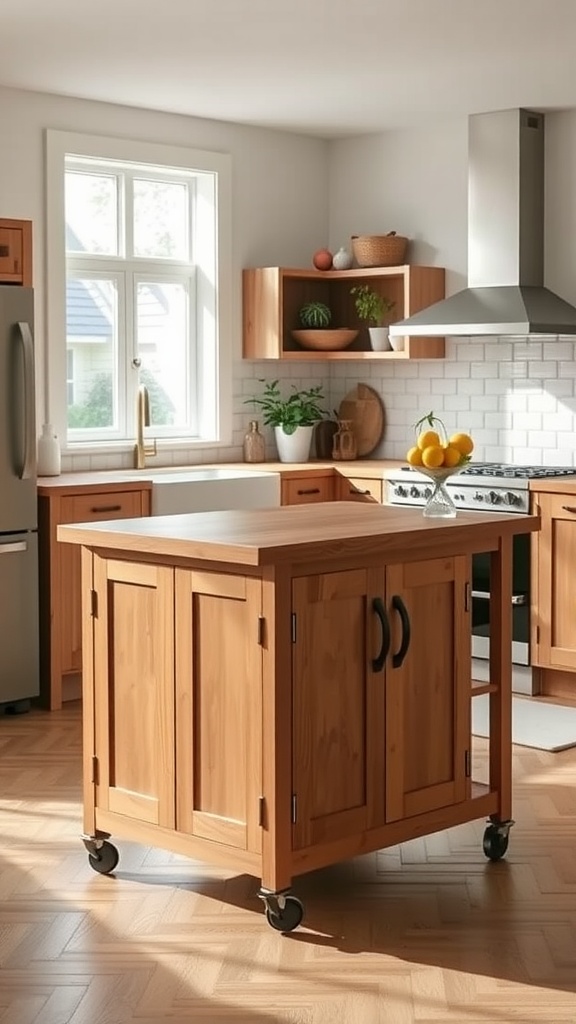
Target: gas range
487,486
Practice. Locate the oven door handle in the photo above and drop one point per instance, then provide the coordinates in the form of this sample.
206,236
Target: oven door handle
484,595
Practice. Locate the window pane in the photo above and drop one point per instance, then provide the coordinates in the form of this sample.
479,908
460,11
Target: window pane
92,345
160,219
91,213
162,339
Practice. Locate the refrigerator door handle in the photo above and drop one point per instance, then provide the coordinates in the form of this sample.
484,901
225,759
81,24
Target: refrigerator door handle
9,549
29,440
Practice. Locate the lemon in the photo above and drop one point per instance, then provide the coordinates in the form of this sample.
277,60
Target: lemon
414,456
451,456
463,443
427,439
433,456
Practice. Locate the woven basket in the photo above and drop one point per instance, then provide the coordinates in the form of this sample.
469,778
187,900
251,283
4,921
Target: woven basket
379,250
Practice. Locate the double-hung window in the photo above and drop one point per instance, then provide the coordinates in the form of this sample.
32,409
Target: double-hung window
138,273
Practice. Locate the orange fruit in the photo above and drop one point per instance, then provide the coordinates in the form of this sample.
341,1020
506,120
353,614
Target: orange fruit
414,456
433,456
452,456
463,443
428,438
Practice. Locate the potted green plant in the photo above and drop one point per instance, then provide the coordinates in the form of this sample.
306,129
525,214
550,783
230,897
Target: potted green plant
373,308
292,417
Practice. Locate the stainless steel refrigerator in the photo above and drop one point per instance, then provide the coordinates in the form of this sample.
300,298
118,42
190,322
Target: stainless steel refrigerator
19,666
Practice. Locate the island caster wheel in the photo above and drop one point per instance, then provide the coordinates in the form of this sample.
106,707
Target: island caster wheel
495,841
102,855
283,912
288,917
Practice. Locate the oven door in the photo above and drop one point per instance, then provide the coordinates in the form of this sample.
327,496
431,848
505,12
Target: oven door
520,602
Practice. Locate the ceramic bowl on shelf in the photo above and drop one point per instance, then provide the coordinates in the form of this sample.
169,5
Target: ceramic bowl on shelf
325,340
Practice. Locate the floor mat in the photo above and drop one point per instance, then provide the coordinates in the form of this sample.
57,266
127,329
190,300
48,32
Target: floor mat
534,723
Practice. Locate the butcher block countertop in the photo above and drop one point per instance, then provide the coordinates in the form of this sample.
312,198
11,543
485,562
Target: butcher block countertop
130,479
555,485
300,533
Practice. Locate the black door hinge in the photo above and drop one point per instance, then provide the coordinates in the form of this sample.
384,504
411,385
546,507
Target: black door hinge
95,772
94,604
467,596
467,764
261,811
293,626
294,808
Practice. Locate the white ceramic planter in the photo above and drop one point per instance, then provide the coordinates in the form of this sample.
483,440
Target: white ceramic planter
293,447
379,339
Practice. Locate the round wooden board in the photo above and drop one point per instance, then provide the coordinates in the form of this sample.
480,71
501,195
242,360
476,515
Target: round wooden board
364,407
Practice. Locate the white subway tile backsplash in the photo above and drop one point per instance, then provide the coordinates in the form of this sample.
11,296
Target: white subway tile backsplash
483,370
542,369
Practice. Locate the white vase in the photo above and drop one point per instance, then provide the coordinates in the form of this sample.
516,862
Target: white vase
293,447
379,339
397,342
342,260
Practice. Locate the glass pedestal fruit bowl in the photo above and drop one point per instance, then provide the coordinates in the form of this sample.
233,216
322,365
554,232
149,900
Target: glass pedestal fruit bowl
439,504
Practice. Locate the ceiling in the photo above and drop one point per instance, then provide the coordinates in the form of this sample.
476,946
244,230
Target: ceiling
329,68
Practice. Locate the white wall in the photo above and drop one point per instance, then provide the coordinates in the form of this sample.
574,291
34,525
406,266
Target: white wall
518,398
293,194
280,203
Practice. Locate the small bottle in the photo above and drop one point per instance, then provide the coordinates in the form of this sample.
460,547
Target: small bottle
344,442
254,444
48,452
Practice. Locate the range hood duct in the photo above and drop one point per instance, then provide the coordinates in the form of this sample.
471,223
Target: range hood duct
506,293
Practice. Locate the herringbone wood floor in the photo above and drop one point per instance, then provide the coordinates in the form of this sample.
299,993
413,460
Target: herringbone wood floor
426,932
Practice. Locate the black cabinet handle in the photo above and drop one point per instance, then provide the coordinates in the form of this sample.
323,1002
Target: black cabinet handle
379,609
568,508
309,490
98,509
400,607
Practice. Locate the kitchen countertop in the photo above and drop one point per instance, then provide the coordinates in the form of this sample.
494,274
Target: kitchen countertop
292,533
130,479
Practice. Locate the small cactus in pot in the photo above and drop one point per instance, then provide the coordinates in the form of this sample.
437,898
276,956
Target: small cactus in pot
315,315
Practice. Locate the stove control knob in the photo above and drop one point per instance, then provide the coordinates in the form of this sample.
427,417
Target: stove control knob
495,498
478,496
511,499
427,492
414,492
400,491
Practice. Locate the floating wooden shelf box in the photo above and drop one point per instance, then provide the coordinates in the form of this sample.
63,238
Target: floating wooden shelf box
273,296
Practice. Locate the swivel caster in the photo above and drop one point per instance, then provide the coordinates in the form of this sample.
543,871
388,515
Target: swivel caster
102,855
283,913
495,841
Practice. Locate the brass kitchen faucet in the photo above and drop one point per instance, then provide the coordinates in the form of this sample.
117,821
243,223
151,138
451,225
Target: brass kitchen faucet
141,449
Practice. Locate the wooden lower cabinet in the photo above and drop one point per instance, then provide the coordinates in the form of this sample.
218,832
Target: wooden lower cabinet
60,583
178,726
357,488
300,490
379,738
552,601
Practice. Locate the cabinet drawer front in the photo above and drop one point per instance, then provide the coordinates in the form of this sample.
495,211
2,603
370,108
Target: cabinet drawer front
11,255
360,489
307,489
101,505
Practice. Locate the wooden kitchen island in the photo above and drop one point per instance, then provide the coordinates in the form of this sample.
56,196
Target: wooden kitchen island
279,690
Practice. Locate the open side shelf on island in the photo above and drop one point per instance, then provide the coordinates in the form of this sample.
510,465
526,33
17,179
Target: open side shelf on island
273,296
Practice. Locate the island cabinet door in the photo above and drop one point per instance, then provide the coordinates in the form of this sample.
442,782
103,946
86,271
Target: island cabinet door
219,707
338,706
134,690
553,581
427,686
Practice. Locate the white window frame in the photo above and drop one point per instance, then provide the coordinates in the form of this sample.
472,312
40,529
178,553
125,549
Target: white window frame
214,383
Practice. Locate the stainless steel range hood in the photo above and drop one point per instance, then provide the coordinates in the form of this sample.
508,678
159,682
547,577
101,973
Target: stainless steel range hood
506,293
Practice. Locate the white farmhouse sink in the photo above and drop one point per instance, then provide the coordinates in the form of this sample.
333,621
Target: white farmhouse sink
210,490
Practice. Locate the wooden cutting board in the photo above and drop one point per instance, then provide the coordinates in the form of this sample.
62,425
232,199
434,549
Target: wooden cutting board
364,407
